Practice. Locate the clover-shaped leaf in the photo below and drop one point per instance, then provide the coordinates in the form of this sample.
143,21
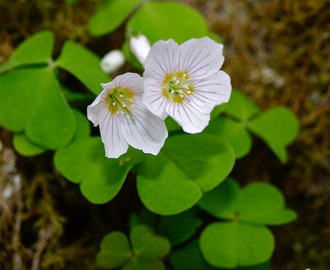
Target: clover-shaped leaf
155,20
146,250
34,50
232,244
240,107
118,10
83,64
100,178
278,127
244,241
233,132
180,227
262,203
115,250
174,180
31,101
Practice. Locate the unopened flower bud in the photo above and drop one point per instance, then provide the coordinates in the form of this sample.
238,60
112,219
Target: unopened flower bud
112,61
140,47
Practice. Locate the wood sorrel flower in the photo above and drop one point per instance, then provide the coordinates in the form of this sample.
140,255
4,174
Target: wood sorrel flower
124,119
185,81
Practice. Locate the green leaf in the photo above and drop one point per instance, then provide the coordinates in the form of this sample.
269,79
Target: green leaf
263,203
179,228
115,251
31,100
232,244
148,245
204,158
34,50
100,178
164,20
83,64
25,147
240,107
222,202
233,132
189,257
110,15
83,129
278,127
163,188
143,264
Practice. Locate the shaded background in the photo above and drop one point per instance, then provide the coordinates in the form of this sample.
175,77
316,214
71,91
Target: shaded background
277,52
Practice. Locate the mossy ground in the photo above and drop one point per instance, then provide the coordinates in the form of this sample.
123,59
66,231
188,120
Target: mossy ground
277,52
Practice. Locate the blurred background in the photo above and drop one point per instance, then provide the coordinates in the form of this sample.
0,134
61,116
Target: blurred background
277,52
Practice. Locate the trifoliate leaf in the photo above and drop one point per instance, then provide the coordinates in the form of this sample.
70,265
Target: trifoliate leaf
31,101
232,244
83,64
34,50
110,15
25,147
240,107
165,20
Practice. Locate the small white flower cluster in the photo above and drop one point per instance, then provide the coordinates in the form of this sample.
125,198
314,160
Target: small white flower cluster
181,81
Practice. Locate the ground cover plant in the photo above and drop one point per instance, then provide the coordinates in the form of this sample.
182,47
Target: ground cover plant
157,185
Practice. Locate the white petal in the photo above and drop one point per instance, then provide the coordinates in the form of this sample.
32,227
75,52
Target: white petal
154,99
161,60
140,47
111,134
132,81
200,58
94,109
211,91
188,117
144,130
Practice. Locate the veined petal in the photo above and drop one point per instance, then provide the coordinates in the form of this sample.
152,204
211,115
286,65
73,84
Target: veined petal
132,81
154,99
144,130
211,91
161,60
94,109
188,117
200,58
111,134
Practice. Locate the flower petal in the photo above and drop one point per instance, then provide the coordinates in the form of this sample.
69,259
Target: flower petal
211,91
161,60
111,134
154,99
144,130
188,117
94,109
200,58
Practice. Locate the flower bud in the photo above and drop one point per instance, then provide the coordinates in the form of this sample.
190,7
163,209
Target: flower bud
140,47
112,61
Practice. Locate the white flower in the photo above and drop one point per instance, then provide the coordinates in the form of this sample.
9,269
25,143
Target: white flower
112,61
185,81
140,47
123,118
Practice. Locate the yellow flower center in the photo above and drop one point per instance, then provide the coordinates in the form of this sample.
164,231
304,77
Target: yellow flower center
120,99
176,87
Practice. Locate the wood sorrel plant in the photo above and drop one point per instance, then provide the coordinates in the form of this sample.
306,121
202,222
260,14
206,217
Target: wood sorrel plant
180,177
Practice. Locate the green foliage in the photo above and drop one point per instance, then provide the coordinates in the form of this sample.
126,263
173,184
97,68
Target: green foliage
243,240
83,64
110,15
165,20
278,127
83,162
145,252
174,180
27,54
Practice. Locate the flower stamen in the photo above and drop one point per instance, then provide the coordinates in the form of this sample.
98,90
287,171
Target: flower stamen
176,87
120,99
